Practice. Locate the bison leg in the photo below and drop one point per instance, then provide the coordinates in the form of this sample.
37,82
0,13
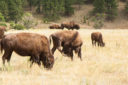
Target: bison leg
79,53
35,59
54,49
7,55
71,55
95,43
32,61
98,44
92,43
57,45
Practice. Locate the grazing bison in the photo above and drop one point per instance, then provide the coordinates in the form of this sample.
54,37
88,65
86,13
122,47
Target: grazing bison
70,25
28,44
97,38
55,26
69,40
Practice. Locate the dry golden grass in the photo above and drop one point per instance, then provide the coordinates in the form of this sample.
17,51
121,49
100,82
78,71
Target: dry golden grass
100,66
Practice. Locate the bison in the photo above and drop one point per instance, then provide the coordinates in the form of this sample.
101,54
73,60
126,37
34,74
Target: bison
69,40
70,25
96,37
28,44
55,26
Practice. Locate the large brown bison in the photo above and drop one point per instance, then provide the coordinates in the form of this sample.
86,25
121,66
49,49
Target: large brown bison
55,26
96,37
69,40
28,44
70,25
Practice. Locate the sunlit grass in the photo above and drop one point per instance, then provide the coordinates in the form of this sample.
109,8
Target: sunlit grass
100,66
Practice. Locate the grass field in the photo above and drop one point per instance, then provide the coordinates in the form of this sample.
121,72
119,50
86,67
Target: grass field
100,66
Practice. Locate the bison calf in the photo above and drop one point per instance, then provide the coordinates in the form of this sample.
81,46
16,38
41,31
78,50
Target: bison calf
96,37
28,44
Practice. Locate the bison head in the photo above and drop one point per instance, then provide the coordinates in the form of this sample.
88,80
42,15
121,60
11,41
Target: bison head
77,26
103,44
62,26
48,62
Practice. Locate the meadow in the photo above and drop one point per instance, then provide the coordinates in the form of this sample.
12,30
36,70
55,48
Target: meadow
100,65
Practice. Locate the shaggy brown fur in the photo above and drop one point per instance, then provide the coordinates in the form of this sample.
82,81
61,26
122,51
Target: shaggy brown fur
55,26
97,38
28,44
2,30
70,25
69,40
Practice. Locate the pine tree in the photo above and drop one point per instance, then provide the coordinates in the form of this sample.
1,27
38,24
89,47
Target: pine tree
111,9
52,9
31,3
38,4
89,1
2,19
99,6
15,10
68,9
126,8
4,8
79,2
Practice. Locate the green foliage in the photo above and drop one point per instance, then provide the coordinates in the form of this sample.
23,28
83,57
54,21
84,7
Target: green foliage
12,24
31,3
3,24
68,9
15,10
11,9
18,27
86,19
126,9
4,8
99,6
52,9
2,18
89,1
28,21
123,0
111,9
98,21
45,20
38,4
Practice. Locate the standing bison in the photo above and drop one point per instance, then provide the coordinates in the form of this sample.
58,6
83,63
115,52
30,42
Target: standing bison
96,37
69,40
55,26
28,44
70,25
